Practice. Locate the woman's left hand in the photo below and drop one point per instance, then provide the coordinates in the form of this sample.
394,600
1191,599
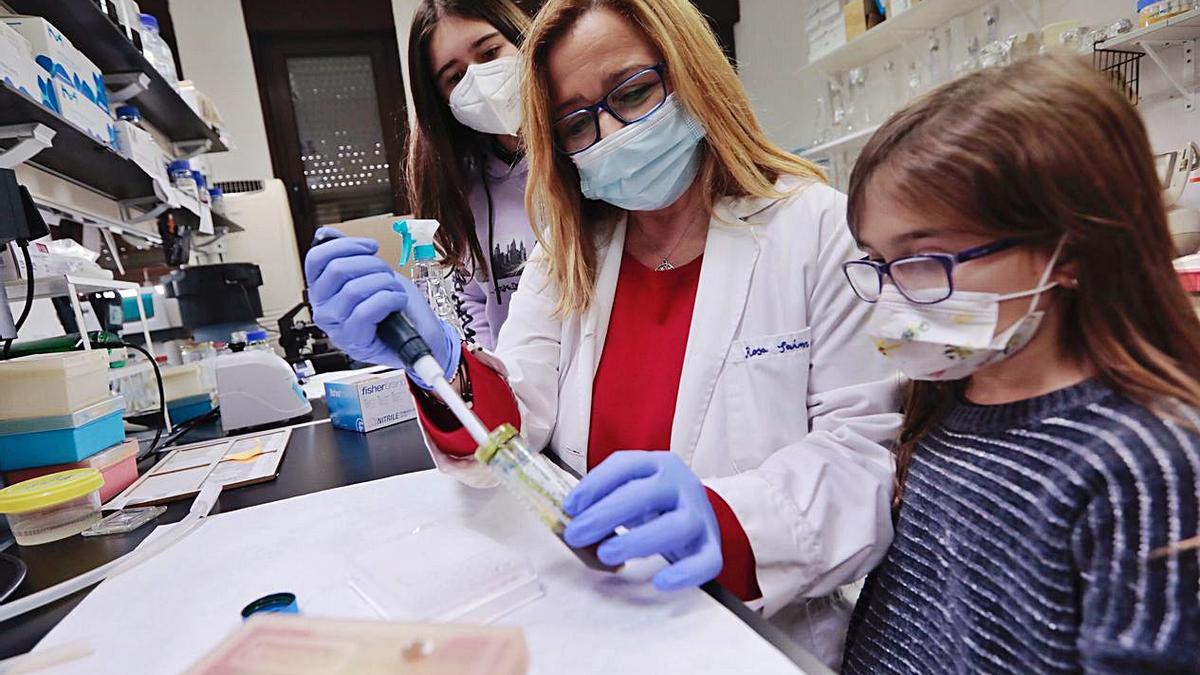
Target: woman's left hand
665,507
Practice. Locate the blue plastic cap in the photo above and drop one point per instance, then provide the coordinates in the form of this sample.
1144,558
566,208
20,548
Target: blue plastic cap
216,193
128,111
256,335
276,603
149,21
180,165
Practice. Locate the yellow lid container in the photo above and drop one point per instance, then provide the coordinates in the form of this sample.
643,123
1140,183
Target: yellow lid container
48,491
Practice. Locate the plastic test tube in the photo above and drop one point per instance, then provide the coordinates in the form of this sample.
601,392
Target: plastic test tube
532,478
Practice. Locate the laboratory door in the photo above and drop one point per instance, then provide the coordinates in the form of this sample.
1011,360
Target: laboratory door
336,123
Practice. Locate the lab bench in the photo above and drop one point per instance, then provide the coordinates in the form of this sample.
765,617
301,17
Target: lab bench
319,457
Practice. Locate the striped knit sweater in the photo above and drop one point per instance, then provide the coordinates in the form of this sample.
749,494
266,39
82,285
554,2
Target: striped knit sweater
1026,544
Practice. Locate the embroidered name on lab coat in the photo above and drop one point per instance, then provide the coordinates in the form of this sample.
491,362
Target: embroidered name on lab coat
783,347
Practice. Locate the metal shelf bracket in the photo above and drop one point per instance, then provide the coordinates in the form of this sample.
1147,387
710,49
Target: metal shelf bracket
124,86
31,139
154,207
1187,93
190,149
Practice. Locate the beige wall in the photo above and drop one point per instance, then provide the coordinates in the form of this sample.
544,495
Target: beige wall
214,49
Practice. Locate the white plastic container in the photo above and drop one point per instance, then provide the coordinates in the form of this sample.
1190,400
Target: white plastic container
52,385
52,507
185,381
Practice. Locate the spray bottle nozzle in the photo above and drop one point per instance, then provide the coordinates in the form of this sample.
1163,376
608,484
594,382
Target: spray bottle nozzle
416,239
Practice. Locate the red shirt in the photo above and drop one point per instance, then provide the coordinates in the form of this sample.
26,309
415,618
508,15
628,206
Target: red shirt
633,394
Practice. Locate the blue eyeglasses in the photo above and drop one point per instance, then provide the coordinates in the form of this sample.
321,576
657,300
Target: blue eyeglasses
925,279
634,99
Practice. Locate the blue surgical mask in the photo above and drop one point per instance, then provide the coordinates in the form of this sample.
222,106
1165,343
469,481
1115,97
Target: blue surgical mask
646,166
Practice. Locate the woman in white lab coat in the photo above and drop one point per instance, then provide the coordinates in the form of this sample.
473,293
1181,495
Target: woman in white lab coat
687,297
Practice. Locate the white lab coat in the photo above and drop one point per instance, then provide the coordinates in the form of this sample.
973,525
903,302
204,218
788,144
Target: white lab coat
784,408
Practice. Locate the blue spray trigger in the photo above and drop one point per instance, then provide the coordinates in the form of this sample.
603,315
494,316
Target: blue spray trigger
407,241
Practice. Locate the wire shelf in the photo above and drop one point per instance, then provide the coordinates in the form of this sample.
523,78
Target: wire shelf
1124,68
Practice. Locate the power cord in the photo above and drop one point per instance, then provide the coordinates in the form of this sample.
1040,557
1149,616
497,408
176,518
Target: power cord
162,398
28,294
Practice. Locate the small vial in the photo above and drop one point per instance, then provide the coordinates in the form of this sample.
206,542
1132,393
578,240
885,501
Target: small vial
534,480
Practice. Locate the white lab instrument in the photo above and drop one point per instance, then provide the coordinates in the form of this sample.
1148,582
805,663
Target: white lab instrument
1176,170
256,388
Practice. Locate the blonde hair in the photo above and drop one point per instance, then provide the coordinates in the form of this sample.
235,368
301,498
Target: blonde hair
738,160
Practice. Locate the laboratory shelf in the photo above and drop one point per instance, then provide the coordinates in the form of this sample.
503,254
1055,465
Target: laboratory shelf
74,155
223,224
62,284
847,141
893,34
82,22
1178,28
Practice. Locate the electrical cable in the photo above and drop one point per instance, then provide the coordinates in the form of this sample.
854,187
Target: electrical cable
28,294
162,398
187,427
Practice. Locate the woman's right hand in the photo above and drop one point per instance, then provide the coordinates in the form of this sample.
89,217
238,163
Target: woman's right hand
352,291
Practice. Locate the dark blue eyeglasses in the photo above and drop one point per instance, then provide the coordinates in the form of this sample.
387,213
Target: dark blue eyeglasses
925,279
634,99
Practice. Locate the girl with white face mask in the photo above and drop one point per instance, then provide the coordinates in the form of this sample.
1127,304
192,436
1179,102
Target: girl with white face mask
1019,265
682,336
466,166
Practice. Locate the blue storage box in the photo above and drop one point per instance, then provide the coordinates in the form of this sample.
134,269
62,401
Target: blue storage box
189,408
43,441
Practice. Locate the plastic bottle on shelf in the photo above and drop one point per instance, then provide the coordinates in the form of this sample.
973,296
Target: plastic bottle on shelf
258,340
182,178
131,114
157,51
216,198
202,189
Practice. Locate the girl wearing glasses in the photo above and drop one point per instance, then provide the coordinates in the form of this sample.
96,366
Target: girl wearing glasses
683,335
1049,466
466,167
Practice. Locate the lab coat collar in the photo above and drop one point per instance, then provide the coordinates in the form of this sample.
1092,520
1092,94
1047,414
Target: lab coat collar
754,210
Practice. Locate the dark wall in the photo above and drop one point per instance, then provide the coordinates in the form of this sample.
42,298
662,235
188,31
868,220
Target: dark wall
318,16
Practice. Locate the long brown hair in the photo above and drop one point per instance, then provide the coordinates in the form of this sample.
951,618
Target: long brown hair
738,158
1040,149
444,155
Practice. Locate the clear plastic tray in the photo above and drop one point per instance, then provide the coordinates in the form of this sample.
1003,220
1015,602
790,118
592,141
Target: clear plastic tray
444,573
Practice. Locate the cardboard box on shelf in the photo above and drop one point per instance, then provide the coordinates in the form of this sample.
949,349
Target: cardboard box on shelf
67,81
16,62
860,15
12,262
138,145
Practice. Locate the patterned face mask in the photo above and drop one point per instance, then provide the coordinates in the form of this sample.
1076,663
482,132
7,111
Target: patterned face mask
954,338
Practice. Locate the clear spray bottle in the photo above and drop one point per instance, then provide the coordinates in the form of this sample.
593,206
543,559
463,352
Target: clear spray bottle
427,272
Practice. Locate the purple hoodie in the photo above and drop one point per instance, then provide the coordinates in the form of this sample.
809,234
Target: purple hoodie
506,239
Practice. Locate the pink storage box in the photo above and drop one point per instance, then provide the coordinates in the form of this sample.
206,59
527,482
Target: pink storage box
118,466
1190,280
